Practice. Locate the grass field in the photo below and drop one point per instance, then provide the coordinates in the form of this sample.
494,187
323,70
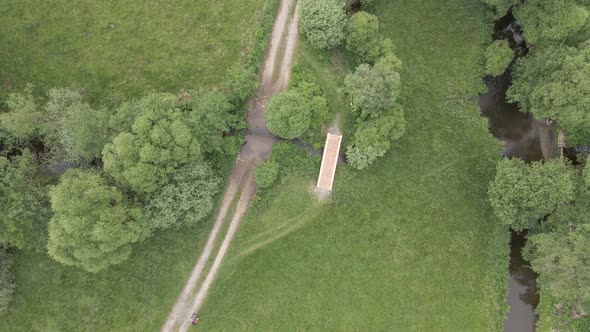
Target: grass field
121,49
409,244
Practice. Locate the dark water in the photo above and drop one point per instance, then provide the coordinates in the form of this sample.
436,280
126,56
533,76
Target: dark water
521,136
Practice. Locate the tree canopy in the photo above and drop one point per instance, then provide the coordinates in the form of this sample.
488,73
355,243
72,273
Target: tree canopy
373,138
24,117
73,130
186,200
288,115
520,193
554,83
498,57
374,90
92,226
161,139
24,204
362,36
322,22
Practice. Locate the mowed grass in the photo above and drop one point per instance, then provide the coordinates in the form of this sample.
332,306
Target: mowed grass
409,244
116,50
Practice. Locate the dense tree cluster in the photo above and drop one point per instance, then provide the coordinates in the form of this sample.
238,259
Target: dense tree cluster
520,194
498,57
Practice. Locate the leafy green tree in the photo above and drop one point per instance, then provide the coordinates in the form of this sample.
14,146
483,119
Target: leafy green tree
362,36
373,138
242,83
498,57
288,115
266,174
24,117
210,115
7,285
561,255
161,139
73,130
374,90
551,19
350,3
92,226
501,6
317,101
322,22
186,200
520,193
24,204
554,83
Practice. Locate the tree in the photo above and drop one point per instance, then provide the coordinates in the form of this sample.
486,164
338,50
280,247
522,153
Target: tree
7,285
186,200
550,19
373,138
161,139
24,204
520,193
24,117
322,22
362,37
498,57
209,115
288,115
93,226
374,90
73,130
554,83
350,3
318,104
501,6
561,255
266,174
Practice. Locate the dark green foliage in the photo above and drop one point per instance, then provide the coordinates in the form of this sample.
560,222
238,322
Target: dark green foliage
293,160
24,204
551,19
317,102
72,129
186,200
362,37
374,90
520,193
554,83
92,226
23,118
266,174
373,138
288,115
242,83
209,115
561,256
160,140
498,57
322,22
7,285
501,7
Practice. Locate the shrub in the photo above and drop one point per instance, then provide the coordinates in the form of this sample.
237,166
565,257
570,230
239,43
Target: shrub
362,37
288,115
498,57
266,174
23,118
322,22
293,160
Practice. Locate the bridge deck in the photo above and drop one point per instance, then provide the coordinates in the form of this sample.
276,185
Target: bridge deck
329,161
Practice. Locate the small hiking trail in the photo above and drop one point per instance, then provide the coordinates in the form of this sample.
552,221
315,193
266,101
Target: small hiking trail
259,140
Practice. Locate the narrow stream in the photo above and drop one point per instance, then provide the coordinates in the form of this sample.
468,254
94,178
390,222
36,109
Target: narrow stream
519,133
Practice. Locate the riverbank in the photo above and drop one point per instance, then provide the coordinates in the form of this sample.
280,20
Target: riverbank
409,243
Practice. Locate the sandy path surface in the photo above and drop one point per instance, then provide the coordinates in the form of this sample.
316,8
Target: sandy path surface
257,148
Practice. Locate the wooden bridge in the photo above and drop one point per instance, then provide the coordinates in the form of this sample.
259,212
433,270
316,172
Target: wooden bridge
329,161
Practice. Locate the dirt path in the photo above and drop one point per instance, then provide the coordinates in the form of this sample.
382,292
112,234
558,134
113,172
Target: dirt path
257,148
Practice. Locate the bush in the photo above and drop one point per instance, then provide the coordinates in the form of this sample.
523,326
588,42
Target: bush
23,118
288,115
362,37
322,22
266,174
293,160
498,57
6,280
